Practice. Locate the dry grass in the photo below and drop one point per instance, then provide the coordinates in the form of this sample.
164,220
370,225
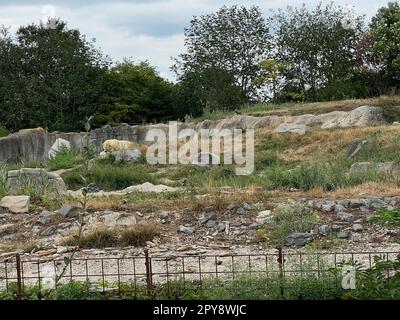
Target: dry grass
138,235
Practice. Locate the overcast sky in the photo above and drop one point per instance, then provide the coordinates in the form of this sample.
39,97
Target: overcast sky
141,29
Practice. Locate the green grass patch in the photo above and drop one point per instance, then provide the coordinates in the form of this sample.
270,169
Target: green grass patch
391,218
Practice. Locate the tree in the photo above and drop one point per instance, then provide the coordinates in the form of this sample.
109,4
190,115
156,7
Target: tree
226,46
135,93
317,46
55,80
385,31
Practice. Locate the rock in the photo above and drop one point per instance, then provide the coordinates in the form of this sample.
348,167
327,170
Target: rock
389,168
344,234
265,217
344,216
208,216
58,145
16,204
211,224
328,206
164,215
291,128
187,230
298,239
128,156
48,232
360,117
221,227
69,211
149,187
64,225
240,211
335,227
92,188
7,228
357,227
246,206
119,219
324,229
17,178
255,226
45,218
355,147
232,206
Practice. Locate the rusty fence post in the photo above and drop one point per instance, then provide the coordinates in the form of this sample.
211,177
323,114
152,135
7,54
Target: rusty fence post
19,277
281,261
149,273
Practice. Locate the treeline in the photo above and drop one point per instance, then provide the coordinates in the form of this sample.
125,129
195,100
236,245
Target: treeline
52,76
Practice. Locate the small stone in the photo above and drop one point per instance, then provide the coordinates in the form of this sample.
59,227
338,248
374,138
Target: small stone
324,230
48,232
344,234
328,207
16,204
211,223
221,227
231,207
164,215
208,216
357,227
335,227
246,206
64,225
345,216
265,217
240,211
254,226
187,230
69,211
299,239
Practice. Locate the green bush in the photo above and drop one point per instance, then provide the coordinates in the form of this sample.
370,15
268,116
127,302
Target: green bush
97,239
288,219
64,159
108,176
3,131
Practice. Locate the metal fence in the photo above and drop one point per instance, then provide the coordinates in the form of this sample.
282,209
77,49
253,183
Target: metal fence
150,272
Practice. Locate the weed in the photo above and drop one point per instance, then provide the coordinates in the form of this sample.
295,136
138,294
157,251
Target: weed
138,235
391,218
99,239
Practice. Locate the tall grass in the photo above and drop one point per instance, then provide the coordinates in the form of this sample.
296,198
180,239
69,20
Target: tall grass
109,176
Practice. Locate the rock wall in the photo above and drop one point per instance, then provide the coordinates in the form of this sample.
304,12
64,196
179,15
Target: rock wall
34,144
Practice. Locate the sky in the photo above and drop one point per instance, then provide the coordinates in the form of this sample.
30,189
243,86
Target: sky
143,30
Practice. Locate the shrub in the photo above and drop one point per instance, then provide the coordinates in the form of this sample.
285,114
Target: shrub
3,131
138,235
108,176
288,219
65,158
97,239
3,180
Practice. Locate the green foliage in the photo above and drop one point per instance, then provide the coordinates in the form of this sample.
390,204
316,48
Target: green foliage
385,31
3,180
218,63
135,93
64,159
288,219
108,176
3,131
98,239
391,218
329,175
52,77
314,47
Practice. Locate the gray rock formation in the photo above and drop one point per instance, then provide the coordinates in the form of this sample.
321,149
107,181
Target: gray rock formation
16,204
38,176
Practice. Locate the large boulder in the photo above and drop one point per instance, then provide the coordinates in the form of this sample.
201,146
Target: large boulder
299,239
360,117
16,204
58,145
119,219
49,180
390,168
291,128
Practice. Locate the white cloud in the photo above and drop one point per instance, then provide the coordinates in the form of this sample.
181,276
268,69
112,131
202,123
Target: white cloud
151,30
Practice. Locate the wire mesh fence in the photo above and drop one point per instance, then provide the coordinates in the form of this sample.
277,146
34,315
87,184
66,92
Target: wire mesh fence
269,271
